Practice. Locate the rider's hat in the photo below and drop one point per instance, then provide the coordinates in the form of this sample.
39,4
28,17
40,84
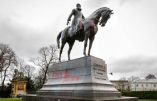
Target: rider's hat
78,5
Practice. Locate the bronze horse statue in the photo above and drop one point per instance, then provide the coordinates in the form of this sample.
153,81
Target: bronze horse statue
88,31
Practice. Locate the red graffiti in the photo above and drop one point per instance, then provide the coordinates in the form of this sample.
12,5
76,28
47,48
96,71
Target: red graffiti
69,77
57,74
66,75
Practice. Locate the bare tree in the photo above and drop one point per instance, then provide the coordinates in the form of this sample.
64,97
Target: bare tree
7,61
26,69
39,80
47,56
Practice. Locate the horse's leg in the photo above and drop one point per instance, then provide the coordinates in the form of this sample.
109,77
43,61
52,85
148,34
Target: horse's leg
85,44
71,43
61,49
90,44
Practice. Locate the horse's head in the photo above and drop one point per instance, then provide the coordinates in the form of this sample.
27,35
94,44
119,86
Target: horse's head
105,15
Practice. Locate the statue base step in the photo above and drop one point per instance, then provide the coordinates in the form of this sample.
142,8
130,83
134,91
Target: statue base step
30,97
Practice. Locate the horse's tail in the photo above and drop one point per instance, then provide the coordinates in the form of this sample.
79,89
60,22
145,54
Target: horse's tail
58,37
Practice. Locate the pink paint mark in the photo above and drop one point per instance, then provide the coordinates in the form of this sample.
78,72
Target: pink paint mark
92,25
81,25
69,77
66,75
57,75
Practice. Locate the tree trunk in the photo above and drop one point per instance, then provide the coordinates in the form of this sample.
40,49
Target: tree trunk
5,72
44,79
4,79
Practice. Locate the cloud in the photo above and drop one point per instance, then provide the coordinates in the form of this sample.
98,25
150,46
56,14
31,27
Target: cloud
121,2
24,40
99,3
135,66
95,3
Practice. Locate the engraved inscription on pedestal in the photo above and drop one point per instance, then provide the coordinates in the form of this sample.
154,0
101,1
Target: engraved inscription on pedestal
99,71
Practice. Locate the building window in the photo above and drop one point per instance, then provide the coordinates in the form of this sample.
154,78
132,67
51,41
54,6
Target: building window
146,85
154,85
142,85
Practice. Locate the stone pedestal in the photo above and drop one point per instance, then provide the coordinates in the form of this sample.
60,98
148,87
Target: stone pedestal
80,79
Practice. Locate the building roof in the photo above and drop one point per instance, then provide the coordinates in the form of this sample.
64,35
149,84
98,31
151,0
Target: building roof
146,81
119,80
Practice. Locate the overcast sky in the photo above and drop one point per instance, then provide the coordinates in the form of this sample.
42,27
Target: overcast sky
128,42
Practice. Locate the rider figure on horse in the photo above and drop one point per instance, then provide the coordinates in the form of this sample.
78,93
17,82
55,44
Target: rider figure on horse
77,23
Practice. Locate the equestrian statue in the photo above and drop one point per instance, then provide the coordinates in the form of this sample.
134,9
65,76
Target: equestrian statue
82,29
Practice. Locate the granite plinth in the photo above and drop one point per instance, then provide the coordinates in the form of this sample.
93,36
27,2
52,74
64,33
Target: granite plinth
80,79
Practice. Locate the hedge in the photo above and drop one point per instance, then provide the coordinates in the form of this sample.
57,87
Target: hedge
141,94
5,94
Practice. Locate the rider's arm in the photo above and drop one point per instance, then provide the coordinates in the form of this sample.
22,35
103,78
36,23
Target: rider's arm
69,18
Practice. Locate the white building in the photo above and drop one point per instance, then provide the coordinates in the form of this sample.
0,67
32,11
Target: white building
121,85
144,85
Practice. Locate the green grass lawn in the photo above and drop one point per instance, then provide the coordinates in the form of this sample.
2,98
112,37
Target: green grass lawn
19,99
10,99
